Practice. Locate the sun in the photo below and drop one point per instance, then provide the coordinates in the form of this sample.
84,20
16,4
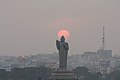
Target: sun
64,33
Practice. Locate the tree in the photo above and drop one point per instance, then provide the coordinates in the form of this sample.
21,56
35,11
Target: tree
30,73
115,75
84,74
81,71
4,74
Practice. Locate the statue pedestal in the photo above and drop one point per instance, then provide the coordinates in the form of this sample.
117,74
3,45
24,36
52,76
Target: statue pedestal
62,75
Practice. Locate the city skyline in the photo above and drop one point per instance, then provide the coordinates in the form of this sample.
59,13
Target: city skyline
31,27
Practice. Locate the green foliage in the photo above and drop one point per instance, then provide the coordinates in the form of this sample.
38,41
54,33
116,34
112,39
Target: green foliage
84,74
4,74
115,75
25,73
43,72
81,71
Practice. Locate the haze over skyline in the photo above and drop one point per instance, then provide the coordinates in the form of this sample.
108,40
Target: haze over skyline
31,26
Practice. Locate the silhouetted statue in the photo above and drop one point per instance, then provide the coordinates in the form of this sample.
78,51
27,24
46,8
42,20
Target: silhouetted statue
63,48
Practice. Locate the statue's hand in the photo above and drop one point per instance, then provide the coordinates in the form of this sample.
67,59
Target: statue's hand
57,44
56,40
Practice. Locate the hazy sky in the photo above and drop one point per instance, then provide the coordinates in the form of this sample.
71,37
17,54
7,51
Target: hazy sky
31,26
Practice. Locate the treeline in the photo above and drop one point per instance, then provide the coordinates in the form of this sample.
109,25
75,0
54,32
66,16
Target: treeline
25,74
41,73
84,74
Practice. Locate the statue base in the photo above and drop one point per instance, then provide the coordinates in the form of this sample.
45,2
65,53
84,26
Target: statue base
62,75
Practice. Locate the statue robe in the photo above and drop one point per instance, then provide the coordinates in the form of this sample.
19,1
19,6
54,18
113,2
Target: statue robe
63,52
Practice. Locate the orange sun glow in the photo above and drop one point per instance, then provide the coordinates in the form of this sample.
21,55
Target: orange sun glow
64,33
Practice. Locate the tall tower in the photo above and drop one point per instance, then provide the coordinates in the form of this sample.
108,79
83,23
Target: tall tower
103,39
104,57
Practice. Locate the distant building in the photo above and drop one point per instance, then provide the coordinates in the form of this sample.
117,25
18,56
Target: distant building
116,63
105,53
90,60
97,61
105,57
105,66
52,65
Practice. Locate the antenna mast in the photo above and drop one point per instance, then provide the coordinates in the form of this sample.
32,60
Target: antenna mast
103,39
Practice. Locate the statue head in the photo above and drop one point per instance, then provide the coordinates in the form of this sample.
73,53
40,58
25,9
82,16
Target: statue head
62,39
